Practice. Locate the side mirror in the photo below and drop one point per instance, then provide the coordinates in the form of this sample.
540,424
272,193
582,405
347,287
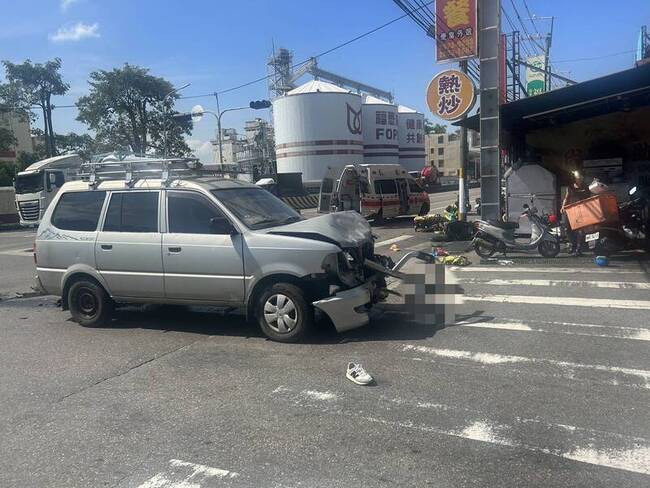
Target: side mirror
50,181
222,226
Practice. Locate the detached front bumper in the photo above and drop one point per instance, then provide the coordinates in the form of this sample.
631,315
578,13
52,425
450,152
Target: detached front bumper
348,309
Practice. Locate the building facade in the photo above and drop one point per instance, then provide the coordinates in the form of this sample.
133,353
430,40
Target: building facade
251,153
20,129
443,152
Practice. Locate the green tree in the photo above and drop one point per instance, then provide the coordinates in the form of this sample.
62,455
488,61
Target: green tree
34,84
431,128
82,144
7,139
129,108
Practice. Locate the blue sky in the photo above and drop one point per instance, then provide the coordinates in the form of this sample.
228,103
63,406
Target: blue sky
218,44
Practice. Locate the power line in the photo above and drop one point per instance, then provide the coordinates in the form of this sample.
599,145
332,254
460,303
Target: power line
532,18
328,51
594,58
429,21
523,25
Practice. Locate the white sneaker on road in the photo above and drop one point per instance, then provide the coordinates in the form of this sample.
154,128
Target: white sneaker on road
356,374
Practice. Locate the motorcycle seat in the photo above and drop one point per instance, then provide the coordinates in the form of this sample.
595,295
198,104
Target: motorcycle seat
504,225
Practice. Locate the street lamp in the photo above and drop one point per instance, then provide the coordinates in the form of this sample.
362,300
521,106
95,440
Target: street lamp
165,113
198,111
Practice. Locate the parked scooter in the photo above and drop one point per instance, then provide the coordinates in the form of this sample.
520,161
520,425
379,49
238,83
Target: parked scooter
631,232
495,236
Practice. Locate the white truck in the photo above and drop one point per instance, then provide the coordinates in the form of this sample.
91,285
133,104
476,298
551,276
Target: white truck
37,185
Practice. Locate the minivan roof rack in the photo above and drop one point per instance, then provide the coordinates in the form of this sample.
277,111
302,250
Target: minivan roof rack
132,168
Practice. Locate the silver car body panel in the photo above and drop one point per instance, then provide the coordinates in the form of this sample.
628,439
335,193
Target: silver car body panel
139,267
346,308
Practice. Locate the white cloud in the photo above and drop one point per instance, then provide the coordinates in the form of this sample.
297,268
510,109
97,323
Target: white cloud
66,3
202,150
75,32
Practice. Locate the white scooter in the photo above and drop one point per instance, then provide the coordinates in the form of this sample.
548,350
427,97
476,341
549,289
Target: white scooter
495,236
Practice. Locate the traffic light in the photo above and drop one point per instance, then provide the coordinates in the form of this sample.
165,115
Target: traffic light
180,118
259,104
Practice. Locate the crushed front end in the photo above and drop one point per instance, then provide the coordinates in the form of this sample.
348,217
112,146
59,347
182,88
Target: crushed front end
353,286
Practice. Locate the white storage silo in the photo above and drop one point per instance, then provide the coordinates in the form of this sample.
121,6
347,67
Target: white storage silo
317,125
412,154
380,131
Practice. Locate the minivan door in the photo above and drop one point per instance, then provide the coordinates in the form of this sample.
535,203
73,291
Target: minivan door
128,248
202,255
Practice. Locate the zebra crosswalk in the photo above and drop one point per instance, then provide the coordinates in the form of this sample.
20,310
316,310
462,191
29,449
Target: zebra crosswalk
581,328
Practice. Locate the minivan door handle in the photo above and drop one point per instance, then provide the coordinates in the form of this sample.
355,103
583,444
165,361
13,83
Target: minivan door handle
174,249
107,247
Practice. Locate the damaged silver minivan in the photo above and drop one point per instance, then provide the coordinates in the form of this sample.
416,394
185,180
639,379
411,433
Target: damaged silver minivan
207,241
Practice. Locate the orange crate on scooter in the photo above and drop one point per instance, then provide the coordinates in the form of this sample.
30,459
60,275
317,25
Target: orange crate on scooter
599,209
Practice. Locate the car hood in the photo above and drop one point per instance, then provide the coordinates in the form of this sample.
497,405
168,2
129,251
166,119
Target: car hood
345,229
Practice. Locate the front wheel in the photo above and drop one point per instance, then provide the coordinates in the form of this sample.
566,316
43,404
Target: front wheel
549,249
283,313
484,249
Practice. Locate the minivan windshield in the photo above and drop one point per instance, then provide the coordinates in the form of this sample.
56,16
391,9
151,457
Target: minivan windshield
30,183
256,208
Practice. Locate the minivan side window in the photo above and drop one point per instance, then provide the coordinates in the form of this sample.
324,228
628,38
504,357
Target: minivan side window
78,210
191,213
132,212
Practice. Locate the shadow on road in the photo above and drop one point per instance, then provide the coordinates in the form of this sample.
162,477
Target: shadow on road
392,323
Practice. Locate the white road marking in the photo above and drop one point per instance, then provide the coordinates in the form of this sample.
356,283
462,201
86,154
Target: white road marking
319,395
191,475
532,269
492,359
18,252
388,242
565,301
590,446
613,332
559,283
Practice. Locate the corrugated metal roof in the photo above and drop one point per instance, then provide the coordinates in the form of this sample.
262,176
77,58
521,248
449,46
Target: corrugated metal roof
583,100
317,86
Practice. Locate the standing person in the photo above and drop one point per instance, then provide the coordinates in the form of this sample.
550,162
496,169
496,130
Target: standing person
576,192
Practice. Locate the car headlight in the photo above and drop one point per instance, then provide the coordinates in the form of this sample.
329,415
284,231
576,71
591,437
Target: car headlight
330,264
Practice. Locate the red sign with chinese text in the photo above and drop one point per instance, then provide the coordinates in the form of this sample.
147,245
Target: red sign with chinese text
456,30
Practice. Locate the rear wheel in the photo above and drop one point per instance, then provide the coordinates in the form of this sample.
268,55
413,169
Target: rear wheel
89,304
283,313
549,249
484,249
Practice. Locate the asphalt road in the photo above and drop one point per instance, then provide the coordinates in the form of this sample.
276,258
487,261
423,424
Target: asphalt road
543,380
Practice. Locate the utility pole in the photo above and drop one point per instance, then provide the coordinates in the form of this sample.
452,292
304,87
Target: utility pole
547,54
490,88
462,210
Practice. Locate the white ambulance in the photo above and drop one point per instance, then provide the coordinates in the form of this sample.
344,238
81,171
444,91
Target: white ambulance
376,191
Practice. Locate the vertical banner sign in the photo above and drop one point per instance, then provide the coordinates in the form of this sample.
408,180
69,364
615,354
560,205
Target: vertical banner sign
535,80
456,30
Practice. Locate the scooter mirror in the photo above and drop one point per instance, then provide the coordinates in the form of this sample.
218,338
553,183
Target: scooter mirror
632,190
